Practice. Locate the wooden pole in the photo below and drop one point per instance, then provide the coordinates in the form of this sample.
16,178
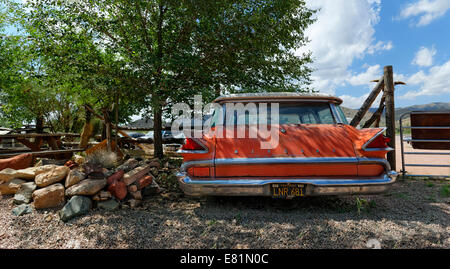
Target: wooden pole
390,113
368,103
377,115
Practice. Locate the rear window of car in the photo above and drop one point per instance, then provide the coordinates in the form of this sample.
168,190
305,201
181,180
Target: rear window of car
295,113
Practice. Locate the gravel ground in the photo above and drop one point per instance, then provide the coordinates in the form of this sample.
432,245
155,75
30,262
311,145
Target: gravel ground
413,214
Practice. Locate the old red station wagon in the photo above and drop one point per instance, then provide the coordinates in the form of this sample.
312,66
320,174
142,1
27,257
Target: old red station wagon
317,153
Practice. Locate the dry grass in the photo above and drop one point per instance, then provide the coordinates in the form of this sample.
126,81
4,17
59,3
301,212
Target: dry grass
108,159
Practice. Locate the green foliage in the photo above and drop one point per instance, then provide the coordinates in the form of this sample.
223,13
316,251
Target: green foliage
150,54
364,204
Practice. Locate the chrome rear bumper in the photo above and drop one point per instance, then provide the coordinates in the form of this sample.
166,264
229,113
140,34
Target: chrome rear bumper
261,187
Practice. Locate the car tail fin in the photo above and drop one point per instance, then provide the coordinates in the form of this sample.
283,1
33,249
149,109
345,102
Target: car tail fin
192,144
377,141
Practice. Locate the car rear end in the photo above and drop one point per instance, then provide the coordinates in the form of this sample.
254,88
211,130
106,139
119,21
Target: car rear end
317,154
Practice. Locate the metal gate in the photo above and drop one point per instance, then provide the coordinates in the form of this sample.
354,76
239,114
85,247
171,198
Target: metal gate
430,131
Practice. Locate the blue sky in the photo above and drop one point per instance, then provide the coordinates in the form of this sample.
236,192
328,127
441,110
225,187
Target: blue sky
354,39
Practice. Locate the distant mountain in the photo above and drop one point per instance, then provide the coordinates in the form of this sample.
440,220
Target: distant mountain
350,113
437,106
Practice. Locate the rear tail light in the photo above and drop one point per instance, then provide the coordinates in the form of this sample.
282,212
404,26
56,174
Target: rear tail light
380,141
191,144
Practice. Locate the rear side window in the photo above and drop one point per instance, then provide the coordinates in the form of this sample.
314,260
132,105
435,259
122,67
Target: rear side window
306,113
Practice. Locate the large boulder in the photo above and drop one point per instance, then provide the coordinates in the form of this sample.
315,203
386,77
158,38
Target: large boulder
8,174
77,206
24,194
11,187
51,196
37,170
17,162
74,177
54,175
86,187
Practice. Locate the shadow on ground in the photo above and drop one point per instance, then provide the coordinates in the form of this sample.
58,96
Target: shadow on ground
412,214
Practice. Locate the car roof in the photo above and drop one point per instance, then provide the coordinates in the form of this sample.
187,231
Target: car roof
277,96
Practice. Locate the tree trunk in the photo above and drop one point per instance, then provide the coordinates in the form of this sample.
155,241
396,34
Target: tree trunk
156,102
40,124
108,130
116,138
103,131
157,129
87,131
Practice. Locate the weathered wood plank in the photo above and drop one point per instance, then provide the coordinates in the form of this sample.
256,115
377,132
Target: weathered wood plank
390,113
377,115
33,135
368,103
41,153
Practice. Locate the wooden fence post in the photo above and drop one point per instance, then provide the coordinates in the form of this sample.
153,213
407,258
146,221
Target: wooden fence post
368,103
390,113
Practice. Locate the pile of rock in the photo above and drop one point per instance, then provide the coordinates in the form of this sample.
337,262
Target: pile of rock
84,185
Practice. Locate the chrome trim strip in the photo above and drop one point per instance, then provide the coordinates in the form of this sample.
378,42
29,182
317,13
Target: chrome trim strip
319,181
245,187
286,160
379,149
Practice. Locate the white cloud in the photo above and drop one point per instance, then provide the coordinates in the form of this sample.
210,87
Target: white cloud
343,32
380,46
365,78
427,10
352,101
372,72
436,82
424,57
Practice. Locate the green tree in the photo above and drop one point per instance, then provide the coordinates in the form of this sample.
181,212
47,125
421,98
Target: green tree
78,69
174,49
26,92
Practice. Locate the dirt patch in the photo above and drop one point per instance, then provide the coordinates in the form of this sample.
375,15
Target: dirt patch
413,214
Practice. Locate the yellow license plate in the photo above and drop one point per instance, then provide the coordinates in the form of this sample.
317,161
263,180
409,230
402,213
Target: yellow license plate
287,190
